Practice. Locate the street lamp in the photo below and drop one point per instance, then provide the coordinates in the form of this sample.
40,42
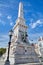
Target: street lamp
9,43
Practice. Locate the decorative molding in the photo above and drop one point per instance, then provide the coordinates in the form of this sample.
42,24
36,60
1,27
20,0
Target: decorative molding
20,25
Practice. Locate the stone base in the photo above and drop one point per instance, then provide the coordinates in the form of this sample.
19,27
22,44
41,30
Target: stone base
30,64
6,63
22,54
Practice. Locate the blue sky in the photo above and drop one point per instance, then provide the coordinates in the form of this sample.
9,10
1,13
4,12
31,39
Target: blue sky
33,14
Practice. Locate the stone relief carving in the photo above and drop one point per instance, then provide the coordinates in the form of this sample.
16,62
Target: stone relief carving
24,37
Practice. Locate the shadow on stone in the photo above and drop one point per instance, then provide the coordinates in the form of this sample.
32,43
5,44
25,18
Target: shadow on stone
16,64
7,62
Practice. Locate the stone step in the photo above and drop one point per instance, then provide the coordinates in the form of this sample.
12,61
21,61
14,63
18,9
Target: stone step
4,63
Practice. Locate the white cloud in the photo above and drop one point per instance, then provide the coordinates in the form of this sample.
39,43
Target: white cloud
38,22
11,23
4,40
35,24
3,37
10,20
9,17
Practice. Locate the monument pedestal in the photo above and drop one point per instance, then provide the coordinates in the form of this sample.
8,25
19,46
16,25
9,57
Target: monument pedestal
22,53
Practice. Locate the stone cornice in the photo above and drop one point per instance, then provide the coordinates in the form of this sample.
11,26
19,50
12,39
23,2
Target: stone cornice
20,25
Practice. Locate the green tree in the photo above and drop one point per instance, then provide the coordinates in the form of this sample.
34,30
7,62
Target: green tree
2,51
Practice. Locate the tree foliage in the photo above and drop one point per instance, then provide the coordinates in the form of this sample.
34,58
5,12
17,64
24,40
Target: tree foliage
2,51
